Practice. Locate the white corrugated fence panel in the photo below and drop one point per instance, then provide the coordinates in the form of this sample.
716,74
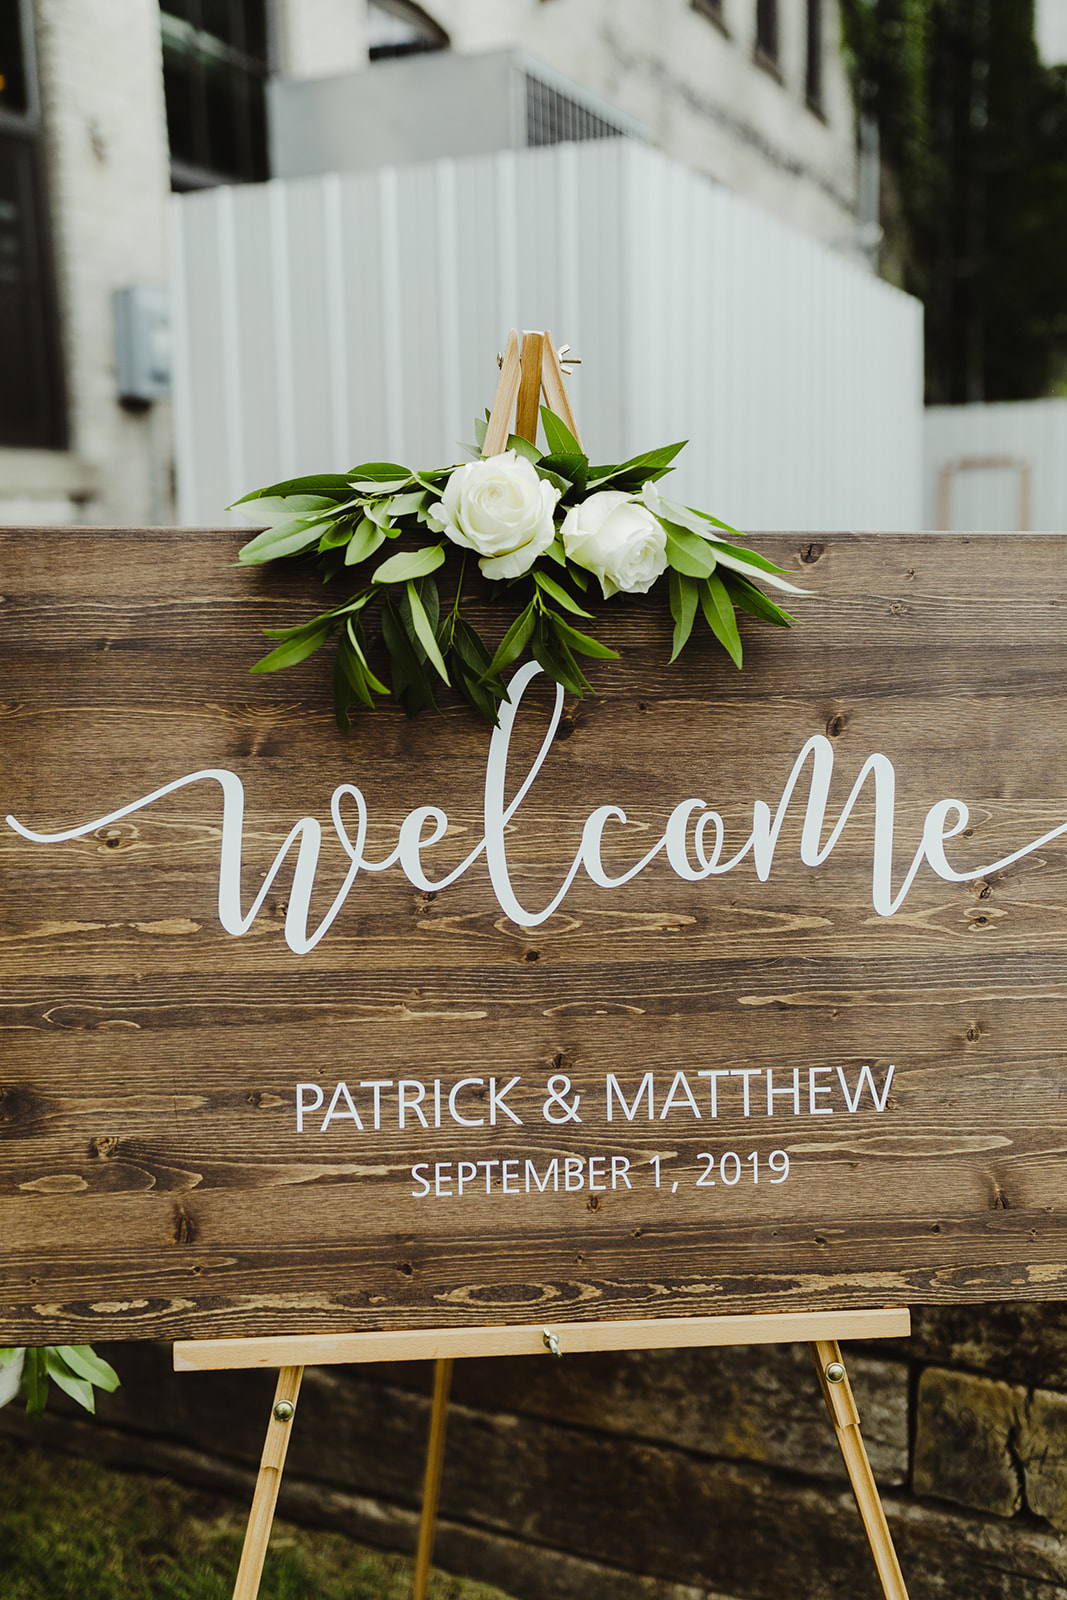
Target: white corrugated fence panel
325,321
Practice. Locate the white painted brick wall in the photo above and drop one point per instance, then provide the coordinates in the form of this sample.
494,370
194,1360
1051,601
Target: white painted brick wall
100,65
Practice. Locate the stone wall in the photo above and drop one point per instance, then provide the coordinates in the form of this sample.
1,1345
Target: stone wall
685,1475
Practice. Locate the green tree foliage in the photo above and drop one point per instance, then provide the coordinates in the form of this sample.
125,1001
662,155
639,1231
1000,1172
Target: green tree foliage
974,129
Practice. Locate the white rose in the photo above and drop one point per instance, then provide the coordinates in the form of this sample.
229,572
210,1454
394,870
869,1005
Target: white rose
618,540
502,509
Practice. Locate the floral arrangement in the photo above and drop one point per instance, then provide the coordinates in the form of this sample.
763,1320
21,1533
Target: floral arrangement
76,1368
541,526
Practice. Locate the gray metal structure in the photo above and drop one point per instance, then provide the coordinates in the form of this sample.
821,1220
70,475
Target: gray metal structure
422,107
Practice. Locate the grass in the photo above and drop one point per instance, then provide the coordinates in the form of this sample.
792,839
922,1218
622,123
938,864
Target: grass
70,1528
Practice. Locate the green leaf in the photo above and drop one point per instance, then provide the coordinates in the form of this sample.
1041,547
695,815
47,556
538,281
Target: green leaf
424,632
583,643
571,470
295,649
655,460
407,505
696,521
556,552
473,652
754,601
9,1354
551,652
749,562
523,447
35,1381
561,440
337,534
343,687
719,612
288,539
409,564
514,641
481,428
379,475
275,510
78,1388
377,511
332,485
83,1360
633,474
564,485
357,642
706,516
687,553
410,683
470,661
684,596
559,594
367,538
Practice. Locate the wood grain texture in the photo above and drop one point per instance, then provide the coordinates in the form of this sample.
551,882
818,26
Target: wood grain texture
152,1181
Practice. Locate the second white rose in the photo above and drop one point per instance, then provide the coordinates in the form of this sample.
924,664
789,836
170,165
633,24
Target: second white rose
617,539
500,508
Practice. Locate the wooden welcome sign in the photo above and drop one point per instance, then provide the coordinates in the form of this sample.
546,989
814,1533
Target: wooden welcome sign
714,993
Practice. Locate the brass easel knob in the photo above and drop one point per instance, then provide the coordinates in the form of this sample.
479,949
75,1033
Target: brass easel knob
835,1372
284,1411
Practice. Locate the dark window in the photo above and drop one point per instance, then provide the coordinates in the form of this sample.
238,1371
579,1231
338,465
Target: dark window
813,69
767,29
554,118
12,58
215,66
401,28
32,412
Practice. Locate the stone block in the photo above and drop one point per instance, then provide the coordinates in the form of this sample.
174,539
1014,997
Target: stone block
967,1429
1020,1341
1043,1454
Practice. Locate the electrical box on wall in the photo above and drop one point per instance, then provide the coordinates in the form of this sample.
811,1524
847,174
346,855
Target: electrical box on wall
142,343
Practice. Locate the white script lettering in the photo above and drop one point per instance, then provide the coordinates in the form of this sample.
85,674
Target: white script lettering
683,838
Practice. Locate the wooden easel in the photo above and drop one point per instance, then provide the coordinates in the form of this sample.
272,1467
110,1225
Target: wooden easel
822,1329
527,372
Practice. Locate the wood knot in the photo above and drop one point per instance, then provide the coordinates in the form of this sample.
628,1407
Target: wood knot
811,553
184,1229
103,1149
837,724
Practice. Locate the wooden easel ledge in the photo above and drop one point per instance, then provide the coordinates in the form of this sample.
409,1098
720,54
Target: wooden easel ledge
437,1344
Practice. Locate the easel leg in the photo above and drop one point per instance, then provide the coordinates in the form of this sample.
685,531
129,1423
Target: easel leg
431,1493
261,1517
841,1405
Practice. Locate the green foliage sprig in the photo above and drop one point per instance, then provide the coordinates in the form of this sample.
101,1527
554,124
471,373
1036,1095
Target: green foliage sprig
394,529
76,1368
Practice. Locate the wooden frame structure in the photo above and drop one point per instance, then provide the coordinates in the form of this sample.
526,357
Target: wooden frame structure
290,1354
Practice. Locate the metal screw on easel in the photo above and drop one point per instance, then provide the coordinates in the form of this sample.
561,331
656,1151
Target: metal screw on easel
566,361
551,1343
835,1372
284,1411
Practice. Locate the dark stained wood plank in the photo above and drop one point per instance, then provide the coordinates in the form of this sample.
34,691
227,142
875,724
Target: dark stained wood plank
152,1178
